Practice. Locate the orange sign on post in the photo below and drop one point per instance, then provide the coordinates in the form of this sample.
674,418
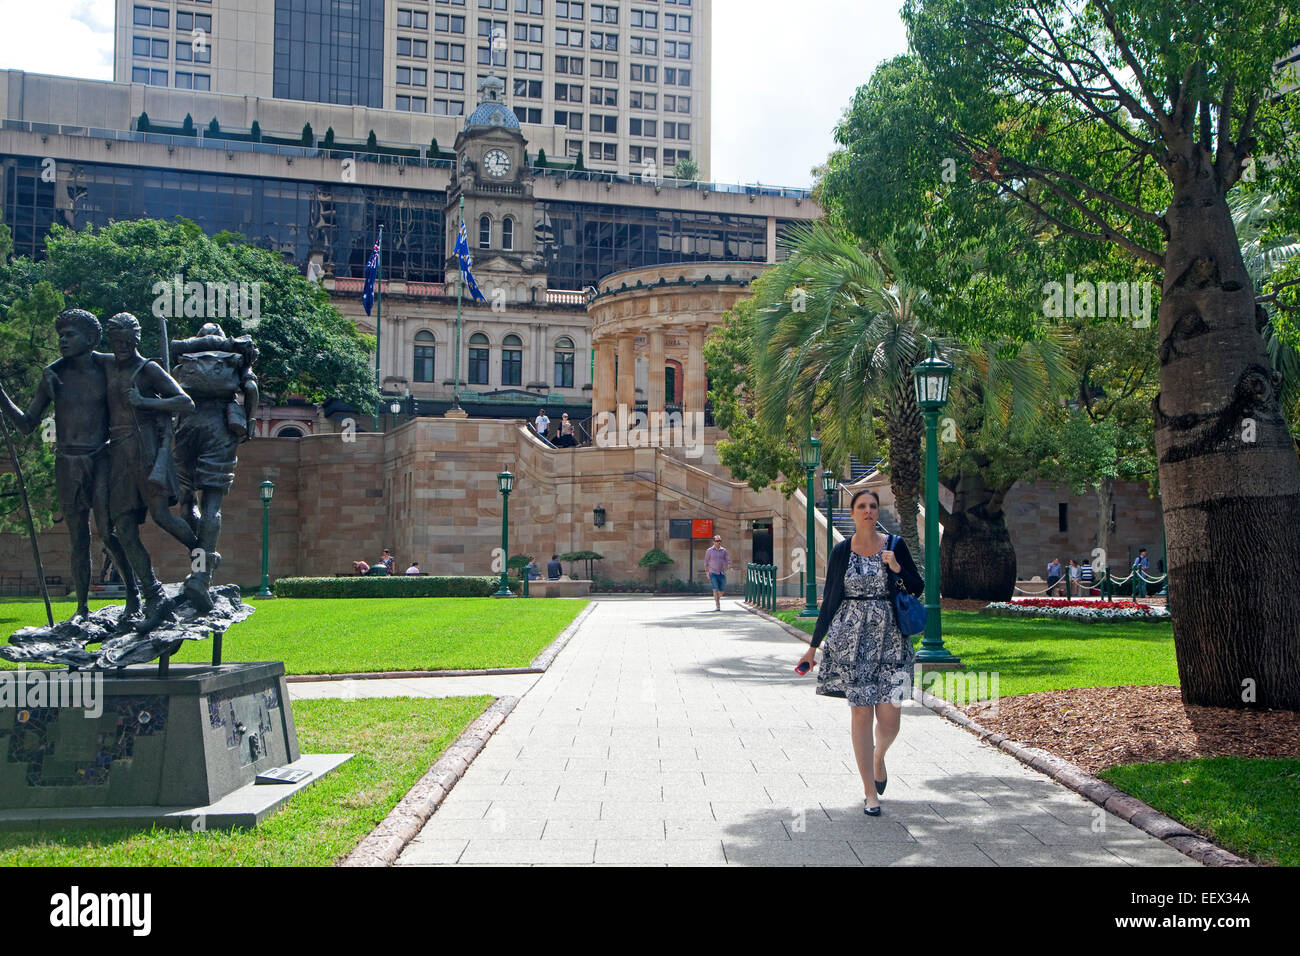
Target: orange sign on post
701,528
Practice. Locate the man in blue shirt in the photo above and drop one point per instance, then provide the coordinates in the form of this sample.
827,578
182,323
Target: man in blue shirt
1140,566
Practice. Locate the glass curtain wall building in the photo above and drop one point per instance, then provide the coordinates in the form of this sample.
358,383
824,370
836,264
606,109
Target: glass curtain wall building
582,242
330,51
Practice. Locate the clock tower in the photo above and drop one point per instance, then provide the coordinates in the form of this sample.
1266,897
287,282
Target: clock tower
497,186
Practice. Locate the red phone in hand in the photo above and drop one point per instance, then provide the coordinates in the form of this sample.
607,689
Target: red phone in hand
802,668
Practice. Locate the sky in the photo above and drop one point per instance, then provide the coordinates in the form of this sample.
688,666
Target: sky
780,82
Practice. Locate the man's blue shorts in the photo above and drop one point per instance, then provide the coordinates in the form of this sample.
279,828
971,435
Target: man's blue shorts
719,581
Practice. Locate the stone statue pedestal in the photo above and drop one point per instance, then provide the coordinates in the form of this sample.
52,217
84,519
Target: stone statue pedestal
130,745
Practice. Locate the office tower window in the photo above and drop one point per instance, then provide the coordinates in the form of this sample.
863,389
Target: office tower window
571,11
645,73
330,51
527,114
527,61
414,19
528,32
447,23
443,80
453,52
409,46
598,123
425,353
603,13
532,7
572,147
449,107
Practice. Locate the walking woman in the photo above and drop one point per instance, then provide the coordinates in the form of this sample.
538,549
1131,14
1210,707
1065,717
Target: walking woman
867,659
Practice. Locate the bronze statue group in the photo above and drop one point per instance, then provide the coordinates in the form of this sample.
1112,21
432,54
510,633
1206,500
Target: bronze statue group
134,437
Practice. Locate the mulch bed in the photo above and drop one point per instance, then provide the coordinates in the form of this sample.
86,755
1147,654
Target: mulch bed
1100,727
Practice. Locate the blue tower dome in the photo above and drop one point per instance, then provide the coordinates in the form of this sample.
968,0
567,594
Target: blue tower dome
492,111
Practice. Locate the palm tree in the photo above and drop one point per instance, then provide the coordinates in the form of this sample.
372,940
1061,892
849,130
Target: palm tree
837,336
840,329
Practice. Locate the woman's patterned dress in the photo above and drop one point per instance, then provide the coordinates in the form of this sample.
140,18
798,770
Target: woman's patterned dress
865,658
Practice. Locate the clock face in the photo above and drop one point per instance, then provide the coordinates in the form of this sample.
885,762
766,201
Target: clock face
497,163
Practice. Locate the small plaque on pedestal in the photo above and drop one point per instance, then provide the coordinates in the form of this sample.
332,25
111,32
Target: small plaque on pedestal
282,775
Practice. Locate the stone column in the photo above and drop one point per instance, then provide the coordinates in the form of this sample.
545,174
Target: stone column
602,392
627,371
696,385
655,399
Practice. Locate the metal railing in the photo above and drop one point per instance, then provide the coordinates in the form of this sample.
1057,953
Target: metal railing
760,585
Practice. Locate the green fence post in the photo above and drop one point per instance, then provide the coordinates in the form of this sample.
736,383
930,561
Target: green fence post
1067,584
773,597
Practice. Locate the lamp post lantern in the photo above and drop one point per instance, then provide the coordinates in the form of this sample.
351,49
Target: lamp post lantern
931,378
267,491
829,484
810,456
505,482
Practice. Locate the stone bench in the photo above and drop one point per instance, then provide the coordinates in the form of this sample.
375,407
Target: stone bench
564,587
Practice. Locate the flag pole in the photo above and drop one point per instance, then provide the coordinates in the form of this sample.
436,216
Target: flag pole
460,282
379,318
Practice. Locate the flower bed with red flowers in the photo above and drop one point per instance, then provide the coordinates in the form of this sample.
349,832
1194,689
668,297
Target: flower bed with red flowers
1077,610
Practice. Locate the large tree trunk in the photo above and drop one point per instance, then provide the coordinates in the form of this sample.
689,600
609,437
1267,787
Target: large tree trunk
906,431
1228,468
1105,499
976,557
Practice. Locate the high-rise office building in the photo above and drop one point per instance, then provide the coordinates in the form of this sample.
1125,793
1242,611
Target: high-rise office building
628,82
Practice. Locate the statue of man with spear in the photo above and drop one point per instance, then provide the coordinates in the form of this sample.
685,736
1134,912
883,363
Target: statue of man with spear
76,385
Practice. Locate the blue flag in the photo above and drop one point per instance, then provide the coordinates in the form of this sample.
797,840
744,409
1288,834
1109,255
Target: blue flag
372,274
467,262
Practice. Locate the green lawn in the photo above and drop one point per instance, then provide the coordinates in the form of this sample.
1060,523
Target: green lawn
1250,806
395,741
341,635
1037,654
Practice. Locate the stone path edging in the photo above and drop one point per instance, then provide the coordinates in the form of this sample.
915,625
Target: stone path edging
1109,797
537,665
383,845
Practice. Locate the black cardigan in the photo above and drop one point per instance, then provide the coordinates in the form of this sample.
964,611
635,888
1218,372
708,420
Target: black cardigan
833,593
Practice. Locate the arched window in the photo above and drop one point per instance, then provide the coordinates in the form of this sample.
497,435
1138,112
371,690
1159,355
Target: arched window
512,359
424,354
564,363
478,358
484,232
507,234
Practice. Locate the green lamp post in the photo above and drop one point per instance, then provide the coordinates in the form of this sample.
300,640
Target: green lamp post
829,484
810,456
931,378
505,482
267,491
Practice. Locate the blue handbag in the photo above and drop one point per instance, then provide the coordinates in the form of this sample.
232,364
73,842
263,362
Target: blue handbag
910,612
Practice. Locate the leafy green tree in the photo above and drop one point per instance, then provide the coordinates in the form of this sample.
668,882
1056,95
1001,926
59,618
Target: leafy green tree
654,559
686,169
1125,123
27,344
307,346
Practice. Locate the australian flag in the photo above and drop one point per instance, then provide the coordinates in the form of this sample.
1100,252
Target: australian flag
467,262
372,276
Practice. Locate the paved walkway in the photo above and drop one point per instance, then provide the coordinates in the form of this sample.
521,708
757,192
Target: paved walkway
667,733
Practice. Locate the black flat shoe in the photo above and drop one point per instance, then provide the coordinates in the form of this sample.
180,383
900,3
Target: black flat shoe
870,811
880,785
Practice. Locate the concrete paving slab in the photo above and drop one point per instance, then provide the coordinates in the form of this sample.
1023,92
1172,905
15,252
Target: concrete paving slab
661,719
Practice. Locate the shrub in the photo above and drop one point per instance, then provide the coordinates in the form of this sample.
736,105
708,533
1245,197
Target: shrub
577,163
392,586
372,142
255,133
686,169
214,128
187,127
433,148
541,158
307,136
142,124
328,141
518,561
654,559
587,556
